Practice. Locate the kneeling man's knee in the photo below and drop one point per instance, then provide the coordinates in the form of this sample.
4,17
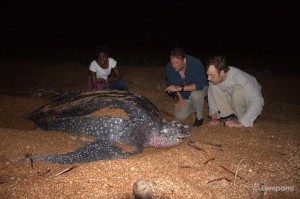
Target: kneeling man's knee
179,116
197,95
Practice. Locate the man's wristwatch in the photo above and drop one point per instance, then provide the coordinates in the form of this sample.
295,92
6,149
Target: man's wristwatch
182,87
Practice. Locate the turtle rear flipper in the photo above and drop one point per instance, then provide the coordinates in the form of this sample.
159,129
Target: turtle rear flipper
97,150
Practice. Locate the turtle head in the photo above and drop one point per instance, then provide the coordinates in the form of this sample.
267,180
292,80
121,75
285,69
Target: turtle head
170,134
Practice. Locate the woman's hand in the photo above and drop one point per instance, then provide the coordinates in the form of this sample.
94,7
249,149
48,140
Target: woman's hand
101,80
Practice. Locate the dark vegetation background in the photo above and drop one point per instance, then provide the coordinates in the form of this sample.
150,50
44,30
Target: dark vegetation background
261,34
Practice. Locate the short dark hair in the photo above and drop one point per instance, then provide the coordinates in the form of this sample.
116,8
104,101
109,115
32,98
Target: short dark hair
178,52
102,49
219,62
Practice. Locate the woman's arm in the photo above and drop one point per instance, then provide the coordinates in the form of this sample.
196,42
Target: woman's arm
115,76
94,80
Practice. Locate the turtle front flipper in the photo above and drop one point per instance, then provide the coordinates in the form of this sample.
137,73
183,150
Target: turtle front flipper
97,150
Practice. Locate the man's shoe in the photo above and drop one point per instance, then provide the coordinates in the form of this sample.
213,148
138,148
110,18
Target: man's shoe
231,117
198,123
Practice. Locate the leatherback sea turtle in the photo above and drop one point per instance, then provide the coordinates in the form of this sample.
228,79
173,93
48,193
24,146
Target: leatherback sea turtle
74,113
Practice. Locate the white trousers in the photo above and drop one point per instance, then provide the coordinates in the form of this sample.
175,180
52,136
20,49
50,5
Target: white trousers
194,104
234,103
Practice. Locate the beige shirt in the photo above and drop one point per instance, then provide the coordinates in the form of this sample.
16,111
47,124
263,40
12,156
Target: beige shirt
252,88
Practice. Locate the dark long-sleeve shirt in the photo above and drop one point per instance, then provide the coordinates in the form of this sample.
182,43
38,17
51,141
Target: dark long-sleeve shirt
194,74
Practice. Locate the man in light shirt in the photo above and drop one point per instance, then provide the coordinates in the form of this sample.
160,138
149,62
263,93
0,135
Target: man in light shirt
234,97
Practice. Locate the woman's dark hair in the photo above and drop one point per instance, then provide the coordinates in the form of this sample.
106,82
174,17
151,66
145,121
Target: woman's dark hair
178,52
102,49
219,62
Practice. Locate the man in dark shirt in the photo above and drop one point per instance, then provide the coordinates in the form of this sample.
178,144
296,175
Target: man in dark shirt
187,79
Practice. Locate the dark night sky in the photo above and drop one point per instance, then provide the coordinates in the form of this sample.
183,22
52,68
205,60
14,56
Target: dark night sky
258,25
